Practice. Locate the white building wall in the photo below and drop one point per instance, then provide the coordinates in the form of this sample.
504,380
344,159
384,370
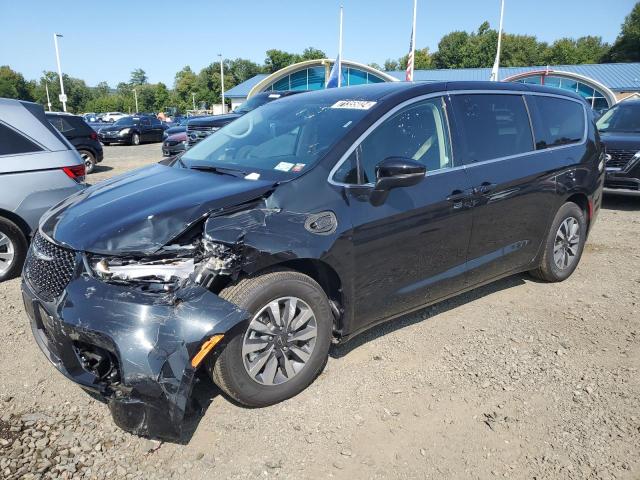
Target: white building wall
236,102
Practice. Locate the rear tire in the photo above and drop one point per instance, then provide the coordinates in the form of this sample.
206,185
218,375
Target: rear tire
13,249
288,368
89,160
564,245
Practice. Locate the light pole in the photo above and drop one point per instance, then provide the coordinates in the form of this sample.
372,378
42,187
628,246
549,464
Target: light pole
63,97
135,95
46,87
222,81
193,98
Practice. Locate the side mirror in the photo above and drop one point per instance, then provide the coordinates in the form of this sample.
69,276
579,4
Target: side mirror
395,172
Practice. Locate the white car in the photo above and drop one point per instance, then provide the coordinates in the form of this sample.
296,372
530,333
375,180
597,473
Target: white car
113,116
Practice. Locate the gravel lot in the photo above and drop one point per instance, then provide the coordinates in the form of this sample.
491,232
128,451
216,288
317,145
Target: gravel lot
518,379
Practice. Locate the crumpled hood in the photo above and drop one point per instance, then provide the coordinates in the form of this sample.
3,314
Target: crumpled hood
139,212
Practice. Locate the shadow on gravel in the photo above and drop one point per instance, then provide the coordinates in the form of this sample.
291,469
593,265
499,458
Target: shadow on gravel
100,169
627,203
427,313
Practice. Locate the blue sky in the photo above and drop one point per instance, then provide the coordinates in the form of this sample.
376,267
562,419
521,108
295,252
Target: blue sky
106,40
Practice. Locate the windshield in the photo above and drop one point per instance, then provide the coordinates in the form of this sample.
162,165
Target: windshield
279,139
255,102
621,118
126,122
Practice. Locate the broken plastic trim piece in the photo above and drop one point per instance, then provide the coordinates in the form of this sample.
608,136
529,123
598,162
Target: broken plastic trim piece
205,349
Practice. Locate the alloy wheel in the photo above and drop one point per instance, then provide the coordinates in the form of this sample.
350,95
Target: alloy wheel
567,241
87,158
279,341
7,253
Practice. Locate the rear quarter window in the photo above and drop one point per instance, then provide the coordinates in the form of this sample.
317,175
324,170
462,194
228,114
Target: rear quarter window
558,121
14,143
61,123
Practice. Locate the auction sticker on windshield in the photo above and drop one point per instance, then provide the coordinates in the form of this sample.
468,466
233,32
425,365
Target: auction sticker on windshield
353,104
284,166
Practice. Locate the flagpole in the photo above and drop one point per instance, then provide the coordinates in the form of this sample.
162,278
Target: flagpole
496,64
340,52
413,37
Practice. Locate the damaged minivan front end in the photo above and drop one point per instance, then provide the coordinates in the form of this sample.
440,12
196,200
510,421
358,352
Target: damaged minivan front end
134,326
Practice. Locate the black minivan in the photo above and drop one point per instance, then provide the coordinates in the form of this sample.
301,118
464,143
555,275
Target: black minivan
300,224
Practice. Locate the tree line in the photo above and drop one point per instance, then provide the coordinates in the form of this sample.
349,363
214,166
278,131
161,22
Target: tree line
457,49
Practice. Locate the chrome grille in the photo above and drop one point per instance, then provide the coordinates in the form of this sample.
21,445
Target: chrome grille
200,128
48,268
619,158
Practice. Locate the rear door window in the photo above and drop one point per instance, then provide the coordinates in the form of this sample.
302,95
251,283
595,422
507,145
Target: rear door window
14,143
493,126
558,121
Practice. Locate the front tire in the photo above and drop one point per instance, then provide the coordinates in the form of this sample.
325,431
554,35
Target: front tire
285,345
135,139
564,245
13,249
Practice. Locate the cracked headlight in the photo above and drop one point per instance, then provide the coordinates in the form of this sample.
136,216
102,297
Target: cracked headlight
144,271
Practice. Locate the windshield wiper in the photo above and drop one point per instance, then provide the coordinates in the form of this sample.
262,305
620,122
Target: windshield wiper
219,170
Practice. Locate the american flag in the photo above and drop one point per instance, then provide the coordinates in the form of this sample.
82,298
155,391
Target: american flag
412,45
409,72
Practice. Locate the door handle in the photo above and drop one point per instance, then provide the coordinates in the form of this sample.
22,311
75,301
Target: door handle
457,196
484,188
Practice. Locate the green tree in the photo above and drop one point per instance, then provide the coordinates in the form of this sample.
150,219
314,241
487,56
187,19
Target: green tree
278,59
161,97
375,65
569,51
452,51
422,60
102,90
13,84
311,53
390,65
521,50
241,69
138,77
626,48
184,85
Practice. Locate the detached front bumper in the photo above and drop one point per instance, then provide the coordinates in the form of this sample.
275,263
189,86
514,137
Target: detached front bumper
132,349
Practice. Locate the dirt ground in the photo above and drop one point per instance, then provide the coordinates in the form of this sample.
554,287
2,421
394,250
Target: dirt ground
517,380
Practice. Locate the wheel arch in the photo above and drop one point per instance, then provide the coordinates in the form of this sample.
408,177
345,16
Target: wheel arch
21,224
582,200
327,278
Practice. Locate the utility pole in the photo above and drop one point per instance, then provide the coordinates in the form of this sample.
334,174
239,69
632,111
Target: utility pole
222,82
46,87
135,94
193,97
63,97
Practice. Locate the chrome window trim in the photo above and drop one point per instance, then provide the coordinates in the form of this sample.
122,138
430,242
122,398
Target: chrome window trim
391,112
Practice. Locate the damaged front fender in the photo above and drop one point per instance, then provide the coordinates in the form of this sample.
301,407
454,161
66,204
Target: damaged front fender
150,338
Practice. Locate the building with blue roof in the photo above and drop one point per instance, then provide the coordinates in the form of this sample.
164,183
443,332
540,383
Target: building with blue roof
601,85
